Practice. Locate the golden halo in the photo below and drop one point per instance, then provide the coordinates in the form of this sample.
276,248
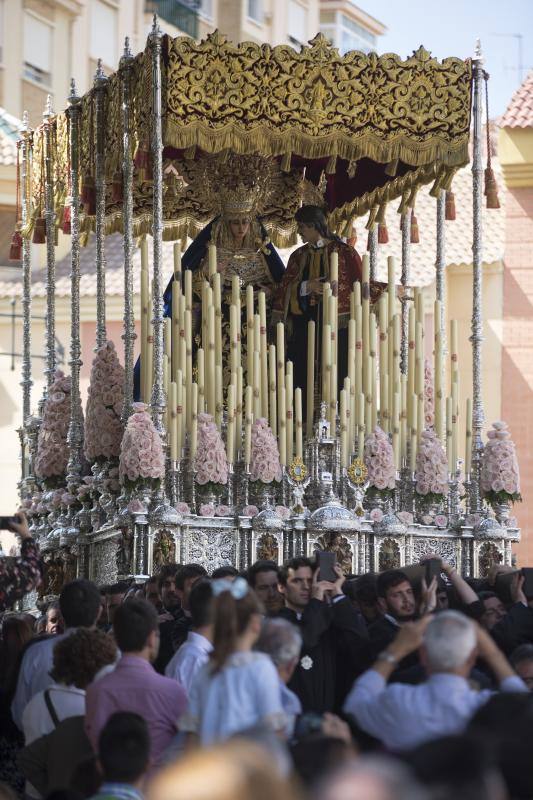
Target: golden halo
357,472
297,470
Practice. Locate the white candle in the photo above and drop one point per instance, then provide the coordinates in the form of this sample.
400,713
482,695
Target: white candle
200,363
282,420
230,435
194,420
310,378
179,411
173,426
219,396
298,419
212,260
248,419
289,401
273,411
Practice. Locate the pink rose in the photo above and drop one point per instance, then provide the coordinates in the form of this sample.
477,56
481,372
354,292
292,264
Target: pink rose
222,511
207,510
441,521
183,508
427,520
250,511
376,515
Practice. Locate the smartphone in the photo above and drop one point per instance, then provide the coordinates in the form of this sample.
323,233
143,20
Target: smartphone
326,561
527,588
434,570
5,523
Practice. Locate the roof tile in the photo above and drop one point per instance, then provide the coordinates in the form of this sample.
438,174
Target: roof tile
519,112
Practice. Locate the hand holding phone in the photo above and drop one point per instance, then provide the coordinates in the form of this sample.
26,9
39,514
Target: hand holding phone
326,562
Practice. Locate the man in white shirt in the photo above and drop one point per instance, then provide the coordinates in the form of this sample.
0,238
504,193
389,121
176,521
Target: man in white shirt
195,651
79,602
404,716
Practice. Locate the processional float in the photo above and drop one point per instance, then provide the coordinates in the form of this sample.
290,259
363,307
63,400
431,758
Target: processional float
228,461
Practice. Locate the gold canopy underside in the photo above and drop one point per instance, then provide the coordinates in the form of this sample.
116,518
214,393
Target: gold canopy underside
274,102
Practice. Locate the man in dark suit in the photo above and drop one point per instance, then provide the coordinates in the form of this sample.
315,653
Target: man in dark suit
333,634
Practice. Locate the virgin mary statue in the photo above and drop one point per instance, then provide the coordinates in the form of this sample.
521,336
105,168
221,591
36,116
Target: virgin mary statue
247,198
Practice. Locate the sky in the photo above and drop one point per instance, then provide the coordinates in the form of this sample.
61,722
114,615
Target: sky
451,27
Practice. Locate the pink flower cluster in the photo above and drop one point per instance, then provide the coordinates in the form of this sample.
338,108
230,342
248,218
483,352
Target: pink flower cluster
141,453
210,463
103,426
52,447
250,511
406,517
183,508
429,397
283,512
431,465
379,460
264,458
499,465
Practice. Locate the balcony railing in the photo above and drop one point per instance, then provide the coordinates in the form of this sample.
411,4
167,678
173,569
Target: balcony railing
181,15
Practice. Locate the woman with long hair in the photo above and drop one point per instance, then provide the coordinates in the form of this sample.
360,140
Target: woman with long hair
238,688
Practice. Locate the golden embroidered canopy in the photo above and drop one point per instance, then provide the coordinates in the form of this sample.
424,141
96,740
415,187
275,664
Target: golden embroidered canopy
370,128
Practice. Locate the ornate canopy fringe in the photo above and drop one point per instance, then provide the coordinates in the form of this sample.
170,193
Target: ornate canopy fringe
312,110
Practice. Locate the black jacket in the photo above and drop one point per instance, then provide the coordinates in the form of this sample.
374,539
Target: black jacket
334,636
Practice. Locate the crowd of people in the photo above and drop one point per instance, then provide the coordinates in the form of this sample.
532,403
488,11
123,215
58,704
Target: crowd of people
235,685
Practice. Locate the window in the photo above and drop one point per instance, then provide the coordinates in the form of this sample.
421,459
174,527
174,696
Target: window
37,50
297,23
355,37
255,10
104,33
205,7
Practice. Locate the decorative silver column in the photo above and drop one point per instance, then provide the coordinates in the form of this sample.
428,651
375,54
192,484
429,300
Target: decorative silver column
75,431
26,382
373,251
100,89
158,394
404,280
50,217
477,289
129,334
440,265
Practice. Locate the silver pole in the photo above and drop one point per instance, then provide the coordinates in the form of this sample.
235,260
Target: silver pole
50,218
100,89
158,394
440,264
75,432
26,382
406,277
129,334
373,251
477,299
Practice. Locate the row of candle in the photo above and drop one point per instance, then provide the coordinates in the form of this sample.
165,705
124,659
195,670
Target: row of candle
374,390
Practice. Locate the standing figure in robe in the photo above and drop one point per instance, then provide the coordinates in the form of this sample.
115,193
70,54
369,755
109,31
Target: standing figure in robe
243,249
299,295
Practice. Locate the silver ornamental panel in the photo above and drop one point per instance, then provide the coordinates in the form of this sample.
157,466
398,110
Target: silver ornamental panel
212,547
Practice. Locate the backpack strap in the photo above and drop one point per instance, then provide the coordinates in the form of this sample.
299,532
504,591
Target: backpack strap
50,707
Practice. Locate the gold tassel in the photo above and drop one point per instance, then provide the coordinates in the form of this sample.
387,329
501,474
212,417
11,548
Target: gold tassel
286,162
450,206
331,166
415,236
383,233
15,251
491,189
391,168
39,231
